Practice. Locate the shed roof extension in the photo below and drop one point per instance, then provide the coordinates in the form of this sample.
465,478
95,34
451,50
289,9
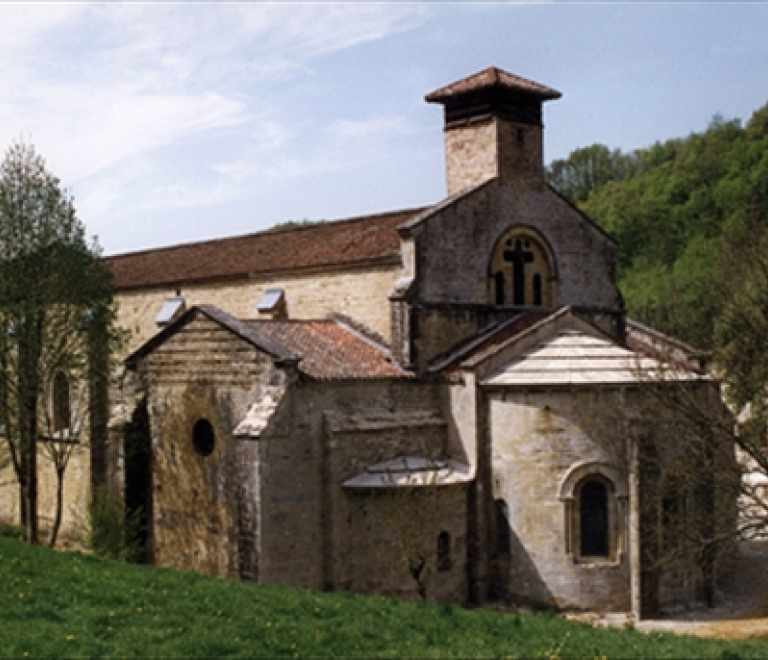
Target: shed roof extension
367,239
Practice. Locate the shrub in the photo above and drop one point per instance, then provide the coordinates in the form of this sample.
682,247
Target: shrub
110,530
11,531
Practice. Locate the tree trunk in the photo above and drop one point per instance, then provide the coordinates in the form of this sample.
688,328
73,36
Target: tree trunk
30,499
29,355
59,506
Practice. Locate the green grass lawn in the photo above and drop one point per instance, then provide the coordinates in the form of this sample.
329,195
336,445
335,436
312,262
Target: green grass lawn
55,604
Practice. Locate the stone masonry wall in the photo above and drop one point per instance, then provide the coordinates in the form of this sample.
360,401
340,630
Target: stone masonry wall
461,237
537,437
316,534
202,505
495,148
76,493
470,155
360,293
460,240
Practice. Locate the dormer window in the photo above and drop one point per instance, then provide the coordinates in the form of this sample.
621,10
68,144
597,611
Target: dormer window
171,310
272,304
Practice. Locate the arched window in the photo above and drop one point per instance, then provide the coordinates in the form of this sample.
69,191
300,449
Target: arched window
522,270
594,524
596,497
444,551
62,413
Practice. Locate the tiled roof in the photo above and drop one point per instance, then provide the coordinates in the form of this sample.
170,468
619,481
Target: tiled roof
340,243
493,77
328,351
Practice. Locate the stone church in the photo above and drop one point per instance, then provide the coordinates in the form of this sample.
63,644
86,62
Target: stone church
439,400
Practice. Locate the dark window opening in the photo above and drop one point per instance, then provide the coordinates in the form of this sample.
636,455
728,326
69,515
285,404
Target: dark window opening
537,297
673,517
518,258
498,281
444,551
61,408
137,465
593,515
521,271
503,538
203,437
521,136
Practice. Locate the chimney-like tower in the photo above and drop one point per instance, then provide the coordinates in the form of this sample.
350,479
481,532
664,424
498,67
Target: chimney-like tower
492,127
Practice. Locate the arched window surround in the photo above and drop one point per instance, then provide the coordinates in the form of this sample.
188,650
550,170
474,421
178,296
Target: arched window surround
617,495
522,250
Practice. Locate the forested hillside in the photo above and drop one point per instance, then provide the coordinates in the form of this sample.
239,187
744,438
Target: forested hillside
683,212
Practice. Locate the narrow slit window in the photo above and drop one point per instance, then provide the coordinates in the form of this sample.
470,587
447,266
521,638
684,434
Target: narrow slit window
444,552
62,414
537,297
498,282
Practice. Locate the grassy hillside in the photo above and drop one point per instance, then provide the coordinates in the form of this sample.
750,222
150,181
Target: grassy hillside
69,605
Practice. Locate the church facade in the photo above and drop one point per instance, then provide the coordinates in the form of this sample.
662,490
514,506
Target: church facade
440,401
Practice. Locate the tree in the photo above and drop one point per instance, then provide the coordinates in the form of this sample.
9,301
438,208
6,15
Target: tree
726,448
56,324
741,340
688,482
589,169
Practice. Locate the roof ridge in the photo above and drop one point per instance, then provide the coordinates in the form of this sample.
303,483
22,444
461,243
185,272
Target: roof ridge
358,328
267,232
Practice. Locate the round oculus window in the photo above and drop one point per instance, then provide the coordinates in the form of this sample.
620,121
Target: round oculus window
203,437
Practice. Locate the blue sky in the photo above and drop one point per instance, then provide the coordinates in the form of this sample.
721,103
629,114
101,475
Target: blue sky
174,122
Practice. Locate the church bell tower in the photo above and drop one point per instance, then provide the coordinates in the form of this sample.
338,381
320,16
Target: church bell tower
493,127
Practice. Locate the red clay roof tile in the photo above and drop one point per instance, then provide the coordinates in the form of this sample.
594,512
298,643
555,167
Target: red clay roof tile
325,349
328,350
340,243
492,77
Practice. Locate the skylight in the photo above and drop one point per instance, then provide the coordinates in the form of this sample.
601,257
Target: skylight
172,308
270,300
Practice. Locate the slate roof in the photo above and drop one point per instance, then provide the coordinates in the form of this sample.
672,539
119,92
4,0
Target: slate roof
341,243
412,472
573,357
486,339
492,77
324,350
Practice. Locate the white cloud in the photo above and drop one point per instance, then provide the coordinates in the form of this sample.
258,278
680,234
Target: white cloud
25,25
109,92
376,127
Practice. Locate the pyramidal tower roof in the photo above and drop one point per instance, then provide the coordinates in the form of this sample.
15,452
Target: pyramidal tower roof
494,79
